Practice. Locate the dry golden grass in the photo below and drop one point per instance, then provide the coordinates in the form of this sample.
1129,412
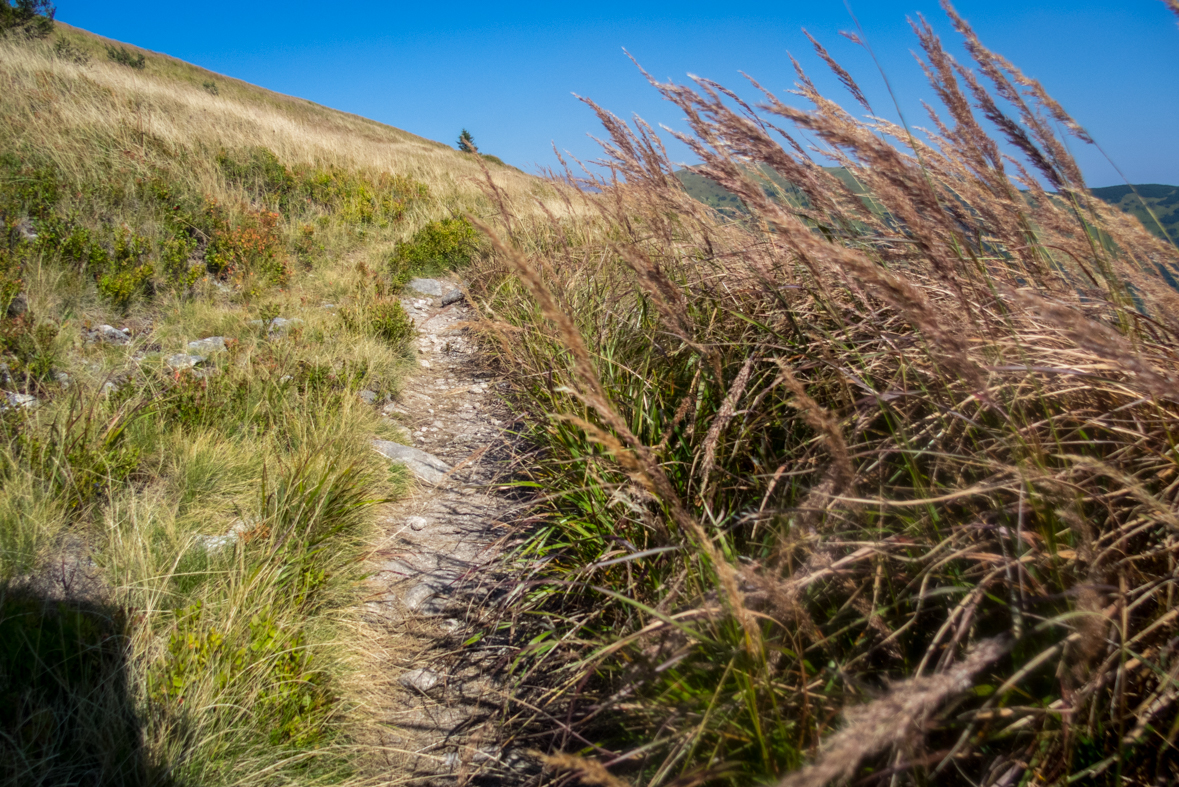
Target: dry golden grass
81,113
882,483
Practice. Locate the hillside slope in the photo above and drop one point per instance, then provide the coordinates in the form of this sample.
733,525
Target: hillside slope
1150,203
199,321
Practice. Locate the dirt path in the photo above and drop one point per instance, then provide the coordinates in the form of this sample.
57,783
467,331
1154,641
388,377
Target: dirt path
434,697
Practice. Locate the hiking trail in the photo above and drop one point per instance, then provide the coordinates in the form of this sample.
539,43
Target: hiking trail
434,565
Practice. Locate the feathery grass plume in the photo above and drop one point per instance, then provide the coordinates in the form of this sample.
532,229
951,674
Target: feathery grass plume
586,771
889,721
934,401
1173,5
844,78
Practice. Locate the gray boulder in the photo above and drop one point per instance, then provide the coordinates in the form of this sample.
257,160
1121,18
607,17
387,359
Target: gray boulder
278,324
426,287
18,305
454,296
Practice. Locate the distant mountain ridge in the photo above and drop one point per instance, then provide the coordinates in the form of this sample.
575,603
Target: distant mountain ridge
1162,201
1153,204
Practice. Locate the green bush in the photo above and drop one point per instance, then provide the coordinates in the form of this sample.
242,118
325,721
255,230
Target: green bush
258,171
83,453
31,18
10,279
384,319
27,188
28,347
466,143
65,50
440,245
211,87
124,273
126,57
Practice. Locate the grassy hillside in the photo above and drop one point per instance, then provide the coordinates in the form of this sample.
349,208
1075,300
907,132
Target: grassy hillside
182,526
1157,207
848,493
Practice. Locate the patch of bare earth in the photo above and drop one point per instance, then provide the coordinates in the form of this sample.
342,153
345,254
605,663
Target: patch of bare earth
432,689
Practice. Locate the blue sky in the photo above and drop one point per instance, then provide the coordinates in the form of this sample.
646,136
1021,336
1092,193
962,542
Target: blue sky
507,72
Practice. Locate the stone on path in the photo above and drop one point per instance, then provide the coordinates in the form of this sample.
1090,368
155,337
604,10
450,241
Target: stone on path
426,467
368,397
454,296
420,679
426,286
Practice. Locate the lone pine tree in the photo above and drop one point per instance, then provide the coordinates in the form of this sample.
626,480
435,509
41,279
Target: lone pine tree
466,143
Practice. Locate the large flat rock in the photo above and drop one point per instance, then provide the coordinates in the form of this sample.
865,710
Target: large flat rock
426,286
426,467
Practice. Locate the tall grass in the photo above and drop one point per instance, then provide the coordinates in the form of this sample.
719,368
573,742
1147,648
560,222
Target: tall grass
182,550
877,488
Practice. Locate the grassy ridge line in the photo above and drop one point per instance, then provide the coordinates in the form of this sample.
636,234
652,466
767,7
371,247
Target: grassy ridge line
178,72
164,105
181,549
835,494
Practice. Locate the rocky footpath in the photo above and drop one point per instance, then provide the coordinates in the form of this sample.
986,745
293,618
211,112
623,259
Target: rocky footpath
432,686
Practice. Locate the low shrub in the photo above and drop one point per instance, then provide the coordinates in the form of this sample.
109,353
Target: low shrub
247,246
28,18
27,188
385,319
352,196
438,246
28,346
126,57
64,49
81,452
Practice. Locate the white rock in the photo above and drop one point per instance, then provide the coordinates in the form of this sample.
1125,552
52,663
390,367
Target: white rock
420,680
19,401
212,344
217,543
110,335
424,364
183,361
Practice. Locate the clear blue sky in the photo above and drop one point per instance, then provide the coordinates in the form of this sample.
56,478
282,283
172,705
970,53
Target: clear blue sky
507,73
